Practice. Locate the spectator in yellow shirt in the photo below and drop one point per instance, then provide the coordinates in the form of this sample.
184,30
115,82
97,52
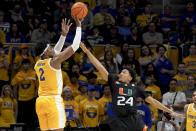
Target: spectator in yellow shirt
4,66
23,54
83,93
105,99
8,107
190,61
146,17
91,112
181,77
156,92
74,84
71,107
76,69
2,37
24,84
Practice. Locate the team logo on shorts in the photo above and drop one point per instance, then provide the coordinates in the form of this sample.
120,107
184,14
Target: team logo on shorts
91,112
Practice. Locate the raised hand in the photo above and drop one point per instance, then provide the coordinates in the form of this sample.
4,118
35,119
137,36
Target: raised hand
83,47
65,25
78,21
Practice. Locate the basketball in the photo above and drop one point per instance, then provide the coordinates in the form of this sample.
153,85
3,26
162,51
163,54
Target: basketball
79,9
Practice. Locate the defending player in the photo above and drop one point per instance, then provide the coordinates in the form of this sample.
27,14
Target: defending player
124,94
190,114
49,104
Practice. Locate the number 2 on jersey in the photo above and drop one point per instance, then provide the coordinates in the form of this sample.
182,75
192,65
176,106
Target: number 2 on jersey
122,102
42,78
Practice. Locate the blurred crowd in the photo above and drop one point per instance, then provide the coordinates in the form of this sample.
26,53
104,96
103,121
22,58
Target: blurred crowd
109,23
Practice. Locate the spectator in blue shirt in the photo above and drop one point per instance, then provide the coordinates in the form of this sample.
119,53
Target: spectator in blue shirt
164,68
144,111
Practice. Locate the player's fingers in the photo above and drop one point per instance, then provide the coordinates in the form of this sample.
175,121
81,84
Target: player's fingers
68,23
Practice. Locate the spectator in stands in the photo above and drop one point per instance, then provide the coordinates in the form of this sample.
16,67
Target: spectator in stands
190,61
124,10
83,92
113,37
92,80
123,51
15,36
86,66
8,106
124,29
105,3
76,69
16,13
110,62
24,83
107,48
175,100
41,34
4,66
87,23
192,38
152,37
4,25
21,55
150,82
105,99
190,88
149,69
131,61
110,3
146,56
91,112
66,78
189,17
94,38
145,17
167,124
135,38
74,83
29,27
106,27
92,3
154,113
99,17
71,107
181,77
144,112
164,68
2,37
167,20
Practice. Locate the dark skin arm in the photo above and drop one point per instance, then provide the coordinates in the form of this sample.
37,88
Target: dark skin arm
68,52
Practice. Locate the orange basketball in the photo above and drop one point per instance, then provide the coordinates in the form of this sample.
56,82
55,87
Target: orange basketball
79,9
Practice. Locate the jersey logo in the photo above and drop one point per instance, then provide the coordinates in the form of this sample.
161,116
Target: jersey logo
125,93
7,104
25,86
91,112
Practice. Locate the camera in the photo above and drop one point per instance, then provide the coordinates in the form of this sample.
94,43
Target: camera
167,115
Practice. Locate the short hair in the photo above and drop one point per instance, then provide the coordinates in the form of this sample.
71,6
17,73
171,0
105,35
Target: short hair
104,86
131,72
173,80
39,48
26,61
159,46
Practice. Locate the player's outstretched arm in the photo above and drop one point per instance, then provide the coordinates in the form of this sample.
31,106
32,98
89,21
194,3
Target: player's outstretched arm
70,50
160,106
96,63
65,25
184,121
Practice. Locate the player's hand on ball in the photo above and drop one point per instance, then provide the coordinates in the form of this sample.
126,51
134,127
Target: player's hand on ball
78,21
65,25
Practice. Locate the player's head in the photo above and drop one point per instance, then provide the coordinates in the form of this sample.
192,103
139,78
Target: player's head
44,50
127,75
194,97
